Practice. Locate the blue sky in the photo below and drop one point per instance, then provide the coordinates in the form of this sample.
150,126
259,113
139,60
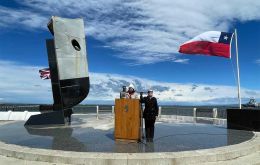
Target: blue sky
137,41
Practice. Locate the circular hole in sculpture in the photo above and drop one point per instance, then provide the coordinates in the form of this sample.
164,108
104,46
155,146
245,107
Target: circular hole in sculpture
75,44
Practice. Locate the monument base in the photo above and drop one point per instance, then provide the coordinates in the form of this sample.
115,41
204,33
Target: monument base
49,118
243,119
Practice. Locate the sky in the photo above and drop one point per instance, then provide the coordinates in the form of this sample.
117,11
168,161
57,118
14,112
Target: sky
133,42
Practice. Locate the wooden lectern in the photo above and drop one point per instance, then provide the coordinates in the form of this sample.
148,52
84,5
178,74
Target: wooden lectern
128,119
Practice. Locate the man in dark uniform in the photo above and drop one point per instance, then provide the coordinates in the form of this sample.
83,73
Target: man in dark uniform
150,114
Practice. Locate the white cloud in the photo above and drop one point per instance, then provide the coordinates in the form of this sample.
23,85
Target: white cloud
258,61
21,84
144,31
184,61
10,18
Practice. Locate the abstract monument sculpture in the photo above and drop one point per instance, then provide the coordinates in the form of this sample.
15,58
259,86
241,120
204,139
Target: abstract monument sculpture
68,67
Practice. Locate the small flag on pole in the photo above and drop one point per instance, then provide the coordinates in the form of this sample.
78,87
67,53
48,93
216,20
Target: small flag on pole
45,73
211,43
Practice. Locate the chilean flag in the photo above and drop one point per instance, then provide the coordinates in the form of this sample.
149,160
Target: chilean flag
211,43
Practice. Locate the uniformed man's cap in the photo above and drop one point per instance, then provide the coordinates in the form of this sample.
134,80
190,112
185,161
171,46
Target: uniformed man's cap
150,90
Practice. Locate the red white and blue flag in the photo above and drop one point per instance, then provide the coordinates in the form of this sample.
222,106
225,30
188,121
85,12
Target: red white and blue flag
211,43
45,73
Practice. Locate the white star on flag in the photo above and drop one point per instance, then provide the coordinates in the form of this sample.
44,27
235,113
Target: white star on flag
225,37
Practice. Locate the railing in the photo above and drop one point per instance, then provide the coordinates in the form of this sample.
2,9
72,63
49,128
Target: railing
196,112
19,108
214,113
99,110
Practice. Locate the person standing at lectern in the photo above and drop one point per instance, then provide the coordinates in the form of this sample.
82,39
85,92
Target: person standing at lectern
123,93
131,94
150,114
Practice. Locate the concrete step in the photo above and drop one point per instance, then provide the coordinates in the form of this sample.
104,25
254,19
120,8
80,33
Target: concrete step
14,161
252,159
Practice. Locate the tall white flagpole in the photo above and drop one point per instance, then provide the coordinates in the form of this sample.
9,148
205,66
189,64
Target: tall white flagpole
238,76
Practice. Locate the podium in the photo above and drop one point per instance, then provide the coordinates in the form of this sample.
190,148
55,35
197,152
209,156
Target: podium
127,120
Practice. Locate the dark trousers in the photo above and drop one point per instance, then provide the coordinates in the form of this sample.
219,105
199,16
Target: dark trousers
149,129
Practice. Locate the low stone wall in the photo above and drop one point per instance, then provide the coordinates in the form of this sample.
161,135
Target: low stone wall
10,115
